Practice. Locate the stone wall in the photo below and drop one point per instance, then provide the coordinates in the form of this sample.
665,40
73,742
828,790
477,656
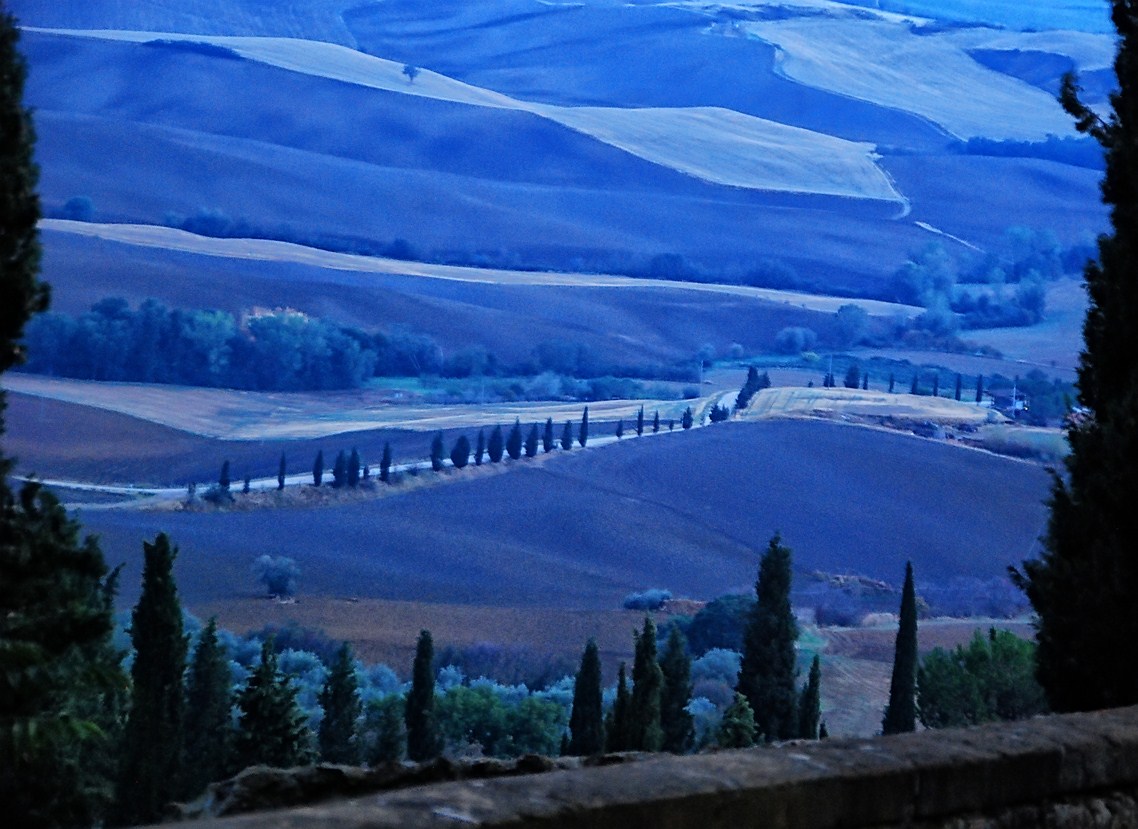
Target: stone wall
1066,772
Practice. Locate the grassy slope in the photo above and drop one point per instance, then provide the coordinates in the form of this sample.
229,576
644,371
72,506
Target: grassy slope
674,511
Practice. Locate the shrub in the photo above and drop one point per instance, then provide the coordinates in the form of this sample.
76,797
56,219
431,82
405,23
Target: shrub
795,340
277,574
719,624
652,599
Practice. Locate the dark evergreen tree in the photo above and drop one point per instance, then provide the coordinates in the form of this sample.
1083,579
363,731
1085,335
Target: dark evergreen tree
271,729
737,728
531,441
480,448
567,436
152,741
688,420
959,387
354,468
853,377
583,429
640,422
318,469
767,675
913,387
246,485
437,452
340,699
892,382
675,721
340,471
547,436
460,454
936,384
656,422
620,429
644,732
281,470
514,441
223,478
617,720
385,464
385,720
865,381
423,739
586,721
980,388
810,703
208,733
901,711
497,445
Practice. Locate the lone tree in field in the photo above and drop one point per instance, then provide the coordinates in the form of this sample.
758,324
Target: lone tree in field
656,422
318,469
767,675
411,71
980,388
567,436
675,721
644,732
514,441
620,429
437,452
385,463
586,722
496,446
223,480
340,699
208,731
151,750
853,377
547,436
62,688
583,429
281,470
810,703
959,387
480,448
423,739
892,382
936,384
460,454
913,389
901,711
640,422
1084,585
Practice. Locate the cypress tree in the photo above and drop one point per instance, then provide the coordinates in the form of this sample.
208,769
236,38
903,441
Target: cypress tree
913,387
583,430
354,468
514,441
318,469
936,384
586,721
853,377
340,471
271,729
385,464
245,485
644,731
901,712
460,454
865,381
959,387
223,478
737,728
340,699
620,429
152,741
617,721
567,436
767,673
675,721
208,732
480,448
688,420
531,441
497,446
656,422
385,717
980,388
892,382
281,472
810,703
437,452
423,741
547,436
